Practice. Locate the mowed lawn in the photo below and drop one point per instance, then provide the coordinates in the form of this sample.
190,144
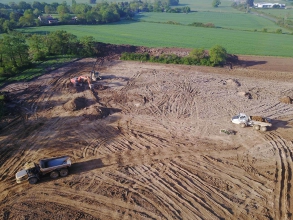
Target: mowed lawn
166,35
236,21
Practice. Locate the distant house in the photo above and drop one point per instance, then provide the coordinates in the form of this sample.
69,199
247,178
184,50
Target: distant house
47,19
269,5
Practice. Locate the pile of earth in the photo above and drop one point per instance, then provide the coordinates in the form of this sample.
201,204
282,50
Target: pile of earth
98,112
244,94
75,104
259,118
286,100
233,83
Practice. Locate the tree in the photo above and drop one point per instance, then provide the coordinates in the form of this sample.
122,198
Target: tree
13,5
186,9
14,16
48,9
37,12
172,2
218,55
8,26
24,6
62,9
37,47
65,17
38,5
13,52
88,46
27,19
61,42
216,3
250,2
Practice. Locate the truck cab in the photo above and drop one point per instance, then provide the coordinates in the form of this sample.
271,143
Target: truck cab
241,118
31,170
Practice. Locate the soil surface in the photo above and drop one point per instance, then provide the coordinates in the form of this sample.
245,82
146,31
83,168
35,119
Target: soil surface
147,141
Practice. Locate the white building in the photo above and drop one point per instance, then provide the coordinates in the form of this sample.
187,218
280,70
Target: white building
268,5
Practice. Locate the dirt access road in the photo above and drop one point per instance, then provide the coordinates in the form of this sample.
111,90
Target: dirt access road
146,143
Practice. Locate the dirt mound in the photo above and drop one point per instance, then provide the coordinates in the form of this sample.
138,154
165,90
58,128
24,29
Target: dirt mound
286,100
100,87
75,104
233,82
244,94
259,118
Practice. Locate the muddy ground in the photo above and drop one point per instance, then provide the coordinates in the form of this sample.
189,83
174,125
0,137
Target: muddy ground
145,142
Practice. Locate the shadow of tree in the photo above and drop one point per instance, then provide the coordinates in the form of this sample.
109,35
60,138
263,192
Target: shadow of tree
249,63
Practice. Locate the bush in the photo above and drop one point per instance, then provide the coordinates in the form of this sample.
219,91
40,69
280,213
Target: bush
199,24
135,56
279,31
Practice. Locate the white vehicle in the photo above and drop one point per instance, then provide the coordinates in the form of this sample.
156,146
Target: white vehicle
257,122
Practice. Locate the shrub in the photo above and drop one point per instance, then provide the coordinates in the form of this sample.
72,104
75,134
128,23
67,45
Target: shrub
279,31
199,24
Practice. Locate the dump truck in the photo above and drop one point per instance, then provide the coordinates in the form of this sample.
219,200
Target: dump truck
257,122
54,167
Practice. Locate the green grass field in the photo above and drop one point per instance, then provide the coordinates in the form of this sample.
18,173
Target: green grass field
237,33
164,35
237,21
280,13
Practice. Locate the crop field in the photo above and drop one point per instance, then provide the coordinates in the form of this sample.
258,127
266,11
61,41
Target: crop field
166,35
280,13
237,21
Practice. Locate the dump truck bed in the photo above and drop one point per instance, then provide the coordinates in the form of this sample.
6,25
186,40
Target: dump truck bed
46,165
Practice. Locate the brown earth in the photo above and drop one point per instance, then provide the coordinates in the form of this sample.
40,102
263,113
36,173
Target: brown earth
146,142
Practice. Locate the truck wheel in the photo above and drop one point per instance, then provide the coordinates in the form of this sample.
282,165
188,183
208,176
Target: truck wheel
242,125
33,180
54,174
256,127
63,172
263,128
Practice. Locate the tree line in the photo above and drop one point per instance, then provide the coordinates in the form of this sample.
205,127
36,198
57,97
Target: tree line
18,51
25,14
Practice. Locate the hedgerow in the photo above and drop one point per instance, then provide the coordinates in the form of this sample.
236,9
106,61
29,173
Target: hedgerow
217,57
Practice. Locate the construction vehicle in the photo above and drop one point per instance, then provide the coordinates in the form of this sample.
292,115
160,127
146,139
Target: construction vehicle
80,80
257,122
55,167
95,75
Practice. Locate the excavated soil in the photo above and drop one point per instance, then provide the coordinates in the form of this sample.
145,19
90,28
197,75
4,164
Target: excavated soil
146,142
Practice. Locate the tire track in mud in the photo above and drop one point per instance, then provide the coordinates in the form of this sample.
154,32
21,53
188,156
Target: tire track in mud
283,175
141,166
34,99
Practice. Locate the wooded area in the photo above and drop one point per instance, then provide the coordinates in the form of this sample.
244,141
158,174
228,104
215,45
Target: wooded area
19,51
24,14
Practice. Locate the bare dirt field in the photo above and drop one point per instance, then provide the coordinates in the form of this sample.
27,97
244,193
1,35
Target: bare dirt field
145,142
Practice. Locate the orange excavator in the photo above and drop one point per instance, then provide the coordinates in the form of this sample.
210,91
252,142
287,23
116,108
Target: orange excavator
79,81
94,76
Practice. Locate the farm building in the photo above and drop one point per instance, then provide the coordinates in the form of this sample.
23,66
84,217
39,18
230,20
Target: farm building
269,5
47,19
